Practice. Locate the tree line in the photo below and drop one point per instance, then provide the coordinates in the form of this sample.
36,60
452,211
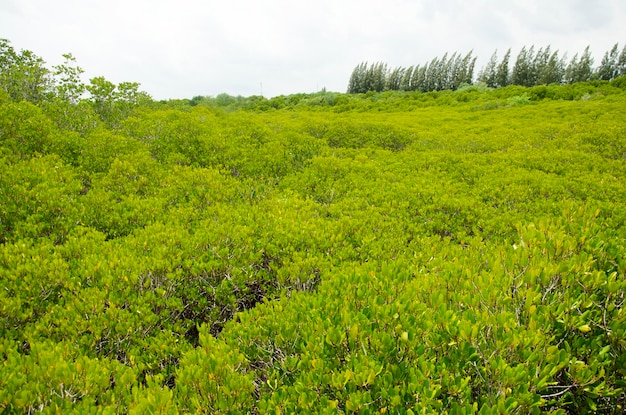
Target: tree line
532,67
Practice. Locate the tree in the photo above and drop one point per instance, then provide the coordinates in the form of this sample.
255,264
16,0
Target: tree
67,83
621,62
550,68
609,67
372,78
67,105
114,103
503,76
580,69
444,72
418,83
356,84
466,74
441,73
585,66
524,70
488,74
23,75
431,76
540,62
406,79
376,77
102,96
394,81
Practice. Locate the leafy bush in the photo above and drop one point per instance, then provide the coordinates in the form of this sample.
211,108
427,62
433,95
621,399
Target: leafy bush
392,252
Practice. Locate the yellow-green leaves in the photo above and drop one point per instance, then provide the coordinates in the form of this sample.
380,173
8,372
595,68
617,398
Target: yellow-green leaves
412,253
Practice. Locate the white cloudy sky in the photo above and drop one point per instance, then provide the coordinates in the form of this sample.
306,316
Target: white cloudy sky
183,48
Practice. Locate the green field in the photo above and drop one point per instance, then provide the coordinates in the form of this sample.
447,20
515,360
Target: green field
399,252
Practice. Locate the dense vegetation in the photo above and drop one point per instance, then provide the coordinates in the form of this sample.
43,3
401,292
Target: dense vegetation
531,68
399,252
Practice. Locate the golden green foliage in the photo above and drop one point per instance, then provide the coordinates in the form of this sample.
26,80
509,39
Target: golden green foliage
453,252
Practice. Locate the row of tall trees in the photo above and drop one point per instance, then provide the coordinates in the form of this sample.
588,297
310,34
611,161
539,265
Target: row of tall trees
448,72
540,67
531,67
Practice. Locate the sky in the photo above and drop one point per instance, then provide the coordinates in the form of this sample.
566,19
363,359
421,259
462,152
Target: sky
185,48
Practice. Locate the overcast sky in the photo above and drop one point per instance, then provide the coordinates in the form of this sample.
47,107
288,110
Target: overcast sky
184,48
